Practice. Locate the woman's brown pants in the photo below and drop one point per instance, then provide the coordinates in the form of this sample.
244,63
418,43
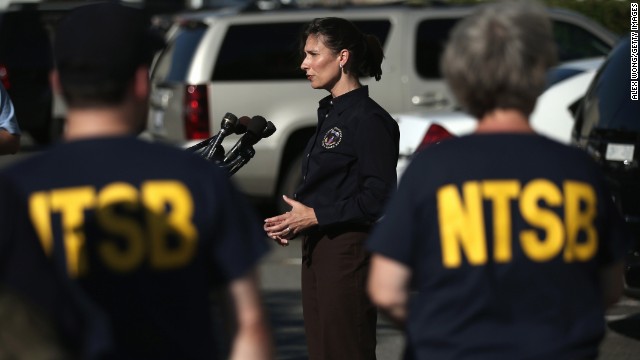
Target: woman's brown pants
339,318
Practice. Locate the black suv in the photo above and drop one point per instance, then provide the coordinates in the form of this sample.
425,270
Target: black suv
608,127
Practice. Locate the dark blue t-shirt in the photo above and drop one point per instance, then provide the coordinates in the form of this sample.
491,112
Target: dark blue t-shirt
505,236
133,236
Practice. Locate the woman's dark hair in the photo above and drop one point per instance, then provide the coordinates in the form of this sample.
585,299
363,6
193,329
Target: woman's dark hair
365,50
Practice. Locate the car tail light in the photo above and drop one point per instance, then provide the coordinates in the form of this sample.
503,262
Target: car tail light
4,77
435,134
196,114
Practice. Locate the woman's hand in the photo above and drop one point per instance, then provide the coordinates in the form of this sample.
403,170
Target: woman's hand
284,227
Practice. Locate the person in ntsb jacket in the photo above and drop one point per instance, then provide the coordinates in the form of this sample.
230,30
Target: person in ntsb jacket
348,176
137,236
511,239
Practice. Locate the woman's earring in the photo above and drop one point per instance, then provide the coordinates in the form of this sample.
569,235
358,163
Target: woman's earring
340,65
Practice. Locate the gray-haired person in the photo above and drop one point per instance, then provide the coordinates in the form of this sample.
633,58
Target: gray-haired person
510,239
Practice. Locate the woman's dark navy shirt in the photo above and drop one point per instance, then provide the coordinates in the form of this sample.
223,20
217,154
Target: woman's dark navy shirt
349,170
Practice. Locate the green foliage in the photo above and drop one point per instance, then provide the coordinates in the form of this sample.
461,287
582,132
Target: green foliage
612,14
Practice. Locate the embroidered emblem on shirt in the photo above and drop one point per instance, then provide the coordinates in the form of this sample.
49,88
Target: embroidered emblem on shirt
332,138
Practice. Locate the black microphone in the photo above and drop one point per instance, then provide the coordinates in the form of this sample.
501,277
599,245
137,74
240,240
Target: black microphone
241,126
227,125
255,128
269,130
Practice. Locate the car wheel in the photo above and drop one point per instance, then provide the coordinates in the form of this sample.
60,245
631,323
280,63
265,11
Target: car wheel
291,179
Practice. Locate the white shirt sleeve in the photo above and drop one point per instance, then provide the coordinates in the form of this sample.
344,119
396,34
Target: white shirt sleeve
8,119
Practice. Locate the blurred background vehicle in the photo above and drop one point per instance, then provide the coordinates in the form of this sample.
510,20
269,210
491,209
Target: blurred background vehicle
552,117
25,63
243,60
566,85
607,126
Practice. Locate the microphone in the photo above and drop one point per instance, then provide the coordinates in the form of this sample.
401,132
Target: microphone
241,126
255,129
227,125
269,130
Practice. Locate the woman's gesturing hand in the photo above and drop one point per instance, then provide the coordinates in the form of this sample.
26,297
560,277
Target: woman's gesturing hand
286,226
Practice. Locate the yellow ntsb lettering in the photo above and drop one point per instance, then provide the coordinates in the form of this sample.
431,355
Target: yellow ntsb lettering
153,224
119,258
461,224
553,232
71,204
580,212
157,196
534,194
501,193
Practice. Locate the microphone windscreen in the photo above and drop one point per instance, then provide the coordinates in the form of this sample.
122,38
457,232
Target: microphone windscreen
241,126
255,128
228,121
268,130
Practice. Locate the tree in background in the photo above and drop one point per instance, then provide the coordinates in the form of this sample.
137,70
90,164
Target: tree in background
612,14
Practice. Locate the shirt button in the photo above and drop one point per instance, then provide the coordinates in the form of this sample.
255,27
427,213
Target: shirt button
308,155
295,196
327,115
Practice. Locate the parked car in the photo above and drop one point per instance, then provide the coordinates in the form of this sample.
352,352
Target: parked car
566,85
420,129
607,126
552,117
246,63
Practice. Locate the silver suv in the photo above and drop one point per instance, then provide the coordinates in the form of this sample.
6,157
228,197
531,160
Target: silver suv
247,63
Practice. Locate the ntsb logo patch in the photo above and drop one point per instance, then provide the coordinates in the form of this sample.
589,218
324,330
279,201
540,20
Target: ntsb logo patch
332,138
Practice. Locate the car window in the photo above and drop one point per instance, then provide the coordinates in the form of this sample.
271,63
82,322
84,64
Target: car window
252,52
432,35
577,43
174,62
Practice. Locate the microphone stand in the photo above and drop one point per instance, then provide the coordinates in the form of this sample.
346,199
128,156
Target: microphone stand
243,157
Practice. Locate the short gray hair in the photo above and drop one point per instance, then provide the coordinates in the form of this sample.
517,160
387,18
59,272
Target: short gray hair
499,56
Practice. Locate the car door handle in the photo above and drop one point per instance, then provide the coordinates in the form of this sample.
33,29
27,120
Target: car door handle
430,100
